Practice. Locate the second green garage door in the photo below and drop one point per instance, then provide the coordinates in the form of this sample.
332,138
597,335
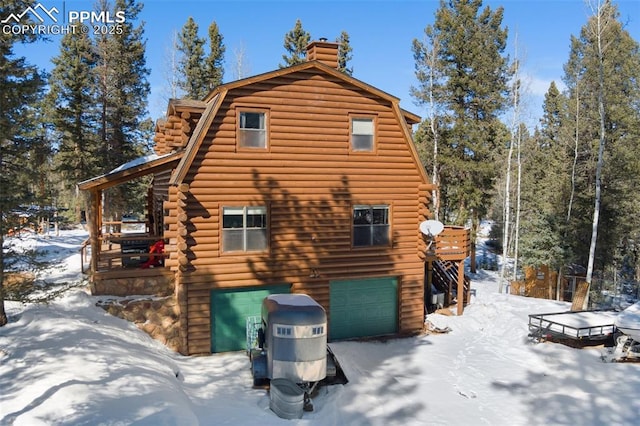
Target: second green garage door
362,308
229,311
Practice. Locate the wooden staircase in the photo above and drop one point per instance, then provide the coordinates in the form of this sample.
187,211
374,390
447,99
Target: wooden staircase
445,280
444,254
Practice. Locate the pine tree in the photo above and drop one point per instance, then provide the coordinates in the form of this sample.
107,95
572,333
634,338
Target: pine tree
214,66
71,109
545,186
601,79
191,68
344,53
429,70
38,168
295,43
474,90
199,74
122,97
20,88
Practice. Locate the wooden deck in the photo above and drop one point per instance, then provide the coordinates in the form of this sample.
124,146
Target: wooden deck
121,270
445,257
122,252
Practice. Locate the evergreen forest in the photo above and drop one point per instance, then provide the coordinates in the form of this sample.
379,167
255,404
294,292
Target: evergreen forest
563,193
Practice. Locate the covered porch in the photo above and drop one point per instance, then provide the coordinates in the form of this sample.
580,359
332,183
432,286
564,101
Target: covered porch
126,257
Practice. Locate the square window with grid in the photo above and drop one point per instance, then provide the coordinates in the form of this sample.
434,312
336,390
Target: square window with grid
244,228
370,225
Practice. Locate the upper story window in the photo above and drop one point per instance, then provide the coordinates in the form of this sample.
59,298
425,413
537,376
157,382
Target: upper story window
252,129
370,225
362,134
244,228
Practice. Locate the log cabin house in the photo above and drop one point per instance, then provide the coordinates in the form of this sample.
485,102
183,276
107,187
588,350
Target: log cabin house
301,180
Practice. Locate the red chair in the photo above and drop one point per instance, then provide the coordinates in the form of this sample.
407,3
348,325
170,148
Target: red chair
155,255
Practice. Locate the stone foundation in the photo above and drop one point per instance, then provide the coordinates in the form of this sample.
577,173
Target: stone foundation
158,317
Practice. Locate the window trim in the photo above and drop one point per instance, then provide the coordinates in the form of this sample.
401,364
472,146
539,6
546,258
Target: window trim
372,225
244,229
374,141
267,127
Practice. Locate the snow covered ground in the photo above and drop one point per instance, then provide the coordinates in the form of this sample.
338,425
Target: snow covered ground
70,363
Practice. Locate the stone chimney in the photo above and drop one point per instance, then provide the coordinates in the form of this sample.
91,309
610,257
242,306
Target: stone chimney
323,51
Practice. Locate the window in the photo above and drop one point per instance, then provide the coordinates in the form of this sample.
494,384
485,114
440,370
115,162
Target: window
370,225
299,331
362,134
244,228
252,129
283,331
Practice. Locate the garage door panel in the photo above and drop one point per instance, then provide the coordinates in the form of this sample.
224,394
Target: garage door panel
229,311
361,308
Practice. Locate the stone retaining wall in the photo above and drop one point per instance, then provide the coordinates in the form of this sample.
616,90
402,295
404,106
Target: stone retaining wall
158,317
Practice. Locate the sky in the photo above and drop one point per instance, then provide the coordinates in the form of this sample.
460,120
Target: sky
381,34
68,362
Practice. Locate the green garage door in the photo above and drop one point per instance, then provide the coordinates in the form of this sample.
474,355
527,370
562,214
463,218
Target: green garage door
229,311
360,308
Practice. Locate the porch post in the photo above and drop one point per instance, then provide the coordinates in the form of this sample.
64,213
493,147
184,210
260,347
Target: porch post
94,221
460,303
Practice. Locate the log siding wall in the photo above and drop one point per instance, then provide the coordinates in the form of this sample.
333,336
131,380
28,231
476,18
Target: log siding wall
309,180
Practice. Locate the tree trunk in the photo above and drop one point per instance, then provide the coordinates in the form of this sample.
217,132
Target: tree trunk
3,229
506,216
3,314
518,209
596,207
575,158
507,185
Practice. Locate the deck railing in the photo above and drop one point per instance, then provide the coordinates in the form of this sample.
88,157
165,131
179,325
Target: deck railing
128,250
122,244
453,243
85,248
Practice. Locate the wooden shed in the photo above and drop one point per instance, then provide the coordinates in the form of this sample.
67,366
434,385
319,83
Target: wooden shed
301,180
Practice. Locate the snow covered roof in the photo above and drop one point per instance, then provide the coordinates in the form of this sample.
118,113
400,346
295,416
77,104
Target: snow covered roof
136,162
133,169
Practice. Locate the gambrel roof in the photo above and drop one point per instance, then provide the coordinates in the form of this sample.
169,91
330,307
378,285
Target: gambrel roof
215,99
211,105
